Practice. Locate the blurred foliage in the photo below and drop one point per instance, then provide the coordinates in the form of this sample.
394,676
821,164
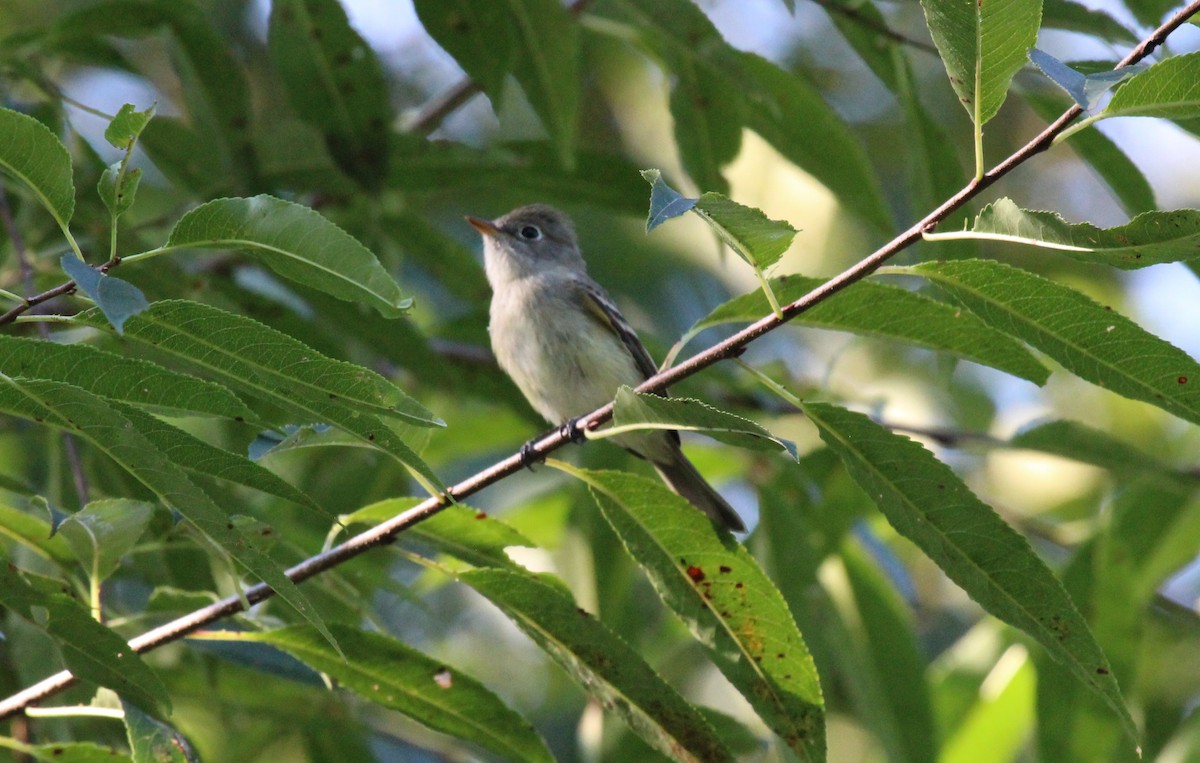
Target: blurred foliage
282,338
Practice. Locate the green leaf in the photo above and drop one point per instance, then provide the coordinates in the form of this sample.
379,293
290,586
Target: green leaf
459,531
119,300
95,420
1125,180
33,155
117,190
123,131
875,309
185,156
198,457
131,380
35,534
102,532
602,663
731,607
1151,238
296,243
665,201
1090,340
536,41
153,741
1169,89
983,44
386,672
91,651
636,411
756,238
67,752
334,82
268,364
928,504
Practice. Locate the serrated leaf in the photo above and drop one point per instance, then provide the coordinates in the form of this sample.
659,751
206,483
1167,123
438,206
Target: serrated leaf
153,741
297,243
459,531
127,125
665,201
131,380
102,532
602,663
875,309
717,589
928,504
95,420
91,651
334,82
1169,89
118,190
119,300
272,365
983,44
198,457
756,238
393,675
1151,238
1090,340
636,411
32,154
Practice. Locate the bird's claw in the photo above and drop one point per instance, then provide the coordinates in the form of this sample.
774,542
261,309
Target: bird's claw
528,456
570,431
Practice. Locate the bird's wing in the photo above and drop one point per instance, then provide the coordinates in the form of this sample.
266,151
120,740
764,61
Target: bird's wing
601,307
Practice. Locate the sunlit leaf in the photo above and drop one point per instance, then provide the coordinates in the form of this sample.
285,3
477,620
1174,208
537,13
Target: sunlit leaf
928,504
871,308
1169,88
296,242
153,741
1089,339
983,45
722,595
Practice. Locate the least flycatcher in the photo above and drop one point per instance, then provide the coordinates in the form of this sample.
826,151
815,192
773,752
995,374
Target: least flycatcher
565,344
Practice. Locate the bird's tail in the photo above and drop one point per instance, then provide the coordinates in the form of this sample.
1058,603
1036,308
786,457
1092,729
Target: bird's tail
682,477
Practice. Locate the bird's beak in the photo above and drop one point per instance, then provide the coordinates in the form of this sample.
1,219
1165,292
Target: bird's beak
486,227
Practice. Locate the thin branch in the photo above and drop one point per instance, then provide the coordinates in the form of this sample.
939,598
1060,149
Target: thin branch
386,532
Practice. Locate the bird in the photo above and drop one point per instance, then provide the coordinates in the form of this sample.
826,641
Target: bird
561,339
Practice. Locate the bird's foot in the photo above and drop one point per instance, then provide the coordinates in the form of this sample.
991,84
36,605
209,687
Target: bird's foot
570,431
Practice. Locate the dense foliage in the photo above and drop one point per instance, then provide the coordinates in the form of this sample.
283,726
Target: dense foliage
246,321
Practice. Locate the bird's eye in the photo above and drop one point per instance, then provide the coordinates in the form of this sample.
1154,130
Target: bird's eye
531,233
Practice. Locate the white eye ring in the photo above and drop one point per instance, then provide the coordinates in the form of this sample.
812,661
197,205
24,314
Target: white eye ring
531,232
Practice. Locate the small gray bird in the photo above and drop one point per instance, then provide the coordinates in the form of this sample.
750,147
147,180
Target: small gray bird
565,344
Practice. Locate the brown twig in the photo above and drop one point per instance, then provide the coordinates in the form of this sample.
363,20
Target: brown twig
386,532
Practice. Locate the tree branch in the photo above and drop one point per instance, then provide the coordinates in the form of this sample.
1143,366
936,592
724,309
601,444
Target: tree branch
386,532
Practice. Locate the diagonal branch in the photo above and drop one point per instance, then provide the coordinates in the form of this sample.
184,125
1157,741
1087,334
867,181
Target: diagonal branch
386,532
